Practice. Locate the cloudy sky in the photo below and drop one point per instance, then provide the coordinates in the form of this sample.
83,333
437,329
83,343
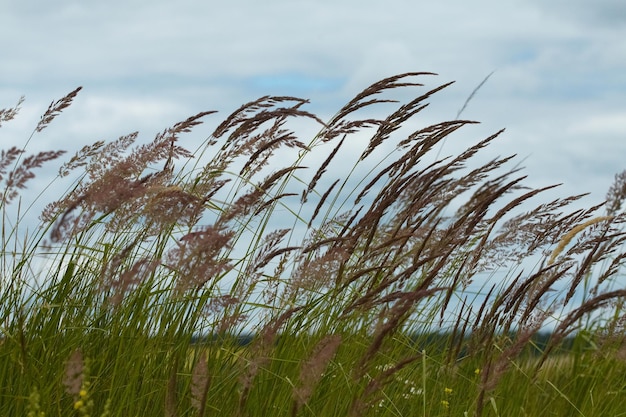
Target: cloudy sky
558,83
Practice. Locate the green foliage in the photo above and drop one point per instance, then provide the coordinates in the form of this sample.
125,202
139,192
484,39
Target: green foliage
379,292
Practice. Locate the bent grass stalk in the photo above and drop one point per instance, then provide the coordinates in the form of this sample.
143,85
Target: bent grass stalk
241,283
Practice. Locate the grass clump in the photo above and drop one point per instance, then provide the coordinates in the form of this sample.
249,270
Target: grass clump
407,285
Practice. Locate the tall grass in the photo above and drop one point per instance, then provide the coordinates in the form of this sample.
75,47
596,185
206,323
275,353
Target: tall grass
405,285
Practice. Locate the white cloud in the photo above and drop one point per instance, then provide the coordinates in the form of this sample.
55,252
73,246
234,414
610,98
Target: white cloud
610,124
559,66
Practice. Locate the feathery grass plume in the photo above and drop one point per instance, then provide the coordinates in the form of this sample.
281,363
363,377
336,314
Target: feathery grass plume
200,256
115,181
55,108
493,371
80,158
312,370
483,256
171,393
247,114
317,263
314,274
18,178
200,382
616,194
11,112
424,140
249,201
321,170
129,279
514,305
322,201
260,351
243,141
397,118
225,314
617,258
22,171
74,369
99,172
596,246
268,251
7,158
267,142
166,206
255,271
107,157
390,322
359,102
162,148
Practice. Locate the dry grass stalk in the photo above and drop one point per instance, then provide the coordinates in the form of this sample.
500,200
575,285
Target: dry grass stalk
312,370
567,238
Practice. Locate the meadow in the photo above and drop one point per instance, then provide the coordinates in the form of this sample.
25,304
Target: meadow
358,272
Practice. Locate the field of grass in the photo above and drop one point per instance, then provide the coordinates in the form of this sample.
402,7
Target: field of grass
367,275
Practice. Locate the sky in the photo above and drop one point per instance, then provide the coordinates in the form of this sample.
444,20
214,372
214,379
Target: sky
558,82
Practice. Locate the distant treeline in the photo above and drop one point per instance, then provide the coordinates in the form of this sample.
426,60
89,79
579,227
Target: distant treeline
537,346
